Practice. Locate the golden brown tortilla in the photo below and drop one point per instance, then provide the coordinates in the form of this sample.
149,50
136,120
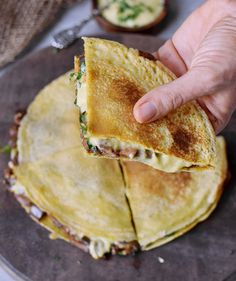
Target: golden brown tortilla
116,78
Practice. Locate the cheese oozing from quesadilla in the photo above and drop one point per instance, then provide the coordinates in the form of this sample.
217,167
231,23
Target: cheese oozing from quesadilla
114,147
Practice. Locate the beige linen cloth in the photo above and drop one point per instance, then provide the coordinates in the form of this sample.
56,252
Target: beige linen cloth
21,20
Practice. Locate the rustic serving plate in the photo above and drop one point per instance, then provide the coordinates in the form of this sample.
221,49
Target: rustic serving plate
207,253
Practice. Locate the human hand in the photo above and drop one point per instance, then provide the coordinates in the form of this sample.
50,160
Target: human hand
202,53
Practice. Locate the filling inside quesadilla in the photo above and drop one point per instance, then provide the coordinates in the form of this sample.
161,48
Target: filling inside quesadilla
98,248
114,148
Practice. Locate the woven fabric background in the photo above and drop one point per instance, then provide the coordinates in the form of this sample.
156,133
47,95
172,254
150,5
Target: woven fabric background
21,20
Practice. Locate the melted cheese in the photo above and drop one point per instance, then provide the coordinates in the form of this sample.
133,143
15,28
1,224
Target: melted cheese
152,9
97,247
81,99
157,160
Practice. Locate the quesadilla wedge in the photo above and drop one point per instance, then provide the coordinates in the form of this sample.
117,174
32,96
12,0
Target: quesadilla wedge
74,196
166,205
110,81
85,197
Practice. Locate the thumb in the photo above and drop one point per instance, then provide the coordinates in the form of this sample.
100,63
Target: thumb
162,100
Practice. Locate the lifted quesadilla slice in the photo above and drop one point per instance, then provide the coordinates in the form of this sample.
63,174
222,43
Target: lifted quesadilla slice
165,206
109,83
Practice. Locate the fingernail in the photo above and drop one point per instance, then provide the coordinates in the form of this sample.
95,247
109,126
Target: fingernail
146,111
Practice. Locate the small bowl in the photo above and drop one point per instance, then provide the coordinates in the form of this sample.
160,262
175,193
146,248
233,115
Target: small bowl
110,27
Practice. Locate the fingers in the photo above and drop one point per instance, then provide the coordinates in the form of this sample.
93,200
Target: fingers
162,100
169,56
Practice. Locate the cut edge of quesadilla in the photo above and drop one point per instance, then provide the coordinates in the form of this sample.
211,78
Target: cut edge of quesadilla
97,248
112,145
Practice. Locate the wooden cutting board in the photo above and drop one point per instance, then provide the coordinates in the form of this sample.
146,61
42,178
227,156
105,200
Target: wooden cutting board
207,253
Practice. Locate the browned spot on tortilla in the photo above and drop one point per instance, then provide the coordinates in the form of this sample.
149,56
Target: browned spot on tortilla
187,111
182,140
125,91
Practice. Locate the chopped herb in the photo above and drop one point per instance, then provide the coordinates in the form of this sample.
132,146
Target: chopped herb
78,75
6,149
71,76
129,12
81,72
83,117
150,9
91,147
83,122
83,128
123,6
94,149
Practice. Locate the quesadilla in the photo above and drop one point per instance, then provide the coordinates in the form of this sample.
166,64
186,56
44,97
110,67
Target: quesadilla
166,205
110,80
96,204
74,196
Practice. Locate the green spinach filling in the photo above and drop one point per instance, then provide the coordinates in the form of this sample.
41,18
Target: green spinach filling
77,76
127,11
83,126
